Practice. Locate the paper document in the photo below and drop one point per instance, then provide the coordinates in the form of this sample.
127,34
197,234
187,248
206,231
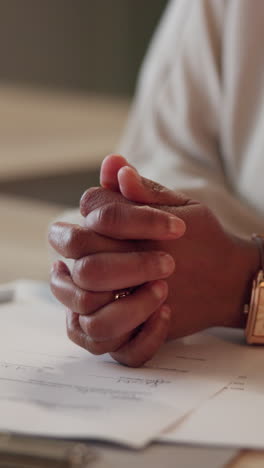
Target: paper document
49,386
233,417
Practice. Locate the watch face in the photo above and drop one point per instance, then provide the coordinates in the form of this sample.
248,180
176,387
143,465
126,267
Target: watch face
258,330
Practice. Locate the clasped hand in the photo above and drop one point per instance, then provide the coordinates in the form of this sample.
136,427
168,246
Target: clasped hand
182,265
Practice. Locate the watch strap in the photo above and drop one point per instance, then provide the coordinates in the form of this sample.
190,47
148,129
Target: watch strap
255,310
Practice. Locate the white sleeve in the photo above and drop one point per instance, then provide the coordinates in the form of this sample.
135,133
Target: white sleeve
174,130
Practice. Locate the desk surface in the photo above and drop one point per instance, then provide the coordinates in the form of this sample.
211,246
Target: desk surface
48,132
24,254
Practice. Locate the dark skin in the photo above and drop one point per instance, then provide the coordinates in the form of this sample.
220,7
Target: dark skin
185,279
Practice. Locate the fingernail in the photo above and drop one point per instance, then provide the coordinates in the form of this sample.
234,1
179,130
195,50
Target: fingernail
167,264
159,289
176,225
165,312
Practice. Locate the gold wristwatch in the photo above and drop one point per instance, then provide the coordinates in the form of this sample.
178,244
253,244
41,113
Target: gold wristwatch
255,310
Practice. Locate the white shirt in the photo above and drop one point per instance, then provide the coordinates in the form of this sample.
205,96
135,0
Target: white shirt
197,123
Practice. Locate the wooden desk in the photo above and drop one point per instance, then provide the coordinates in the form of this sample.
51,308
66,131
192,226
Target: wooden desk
49,132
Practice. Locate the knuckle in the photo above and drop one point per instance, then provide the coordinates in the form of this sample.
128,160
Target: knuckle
80,301
89,272
65,239
91,199
110,216
71,242
81,270
55,236
87,343
92,327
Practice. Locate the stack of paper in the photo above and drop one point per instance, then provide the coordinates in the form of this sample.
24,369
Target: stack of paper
49,386
234,416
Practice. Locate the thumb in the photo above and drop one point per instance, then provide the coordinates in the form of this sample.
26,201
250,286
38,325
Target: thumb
109,170
141,190
119,176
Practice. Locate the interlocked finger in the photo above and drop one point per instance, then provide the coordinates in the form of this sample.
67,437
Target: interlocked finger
79,337
125,221
147,341
74,298
74,241
111,271
124,315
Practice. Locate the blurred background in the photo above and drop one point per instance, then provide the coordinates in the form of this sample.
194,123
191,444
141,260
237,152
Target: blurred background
67,73
68,70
